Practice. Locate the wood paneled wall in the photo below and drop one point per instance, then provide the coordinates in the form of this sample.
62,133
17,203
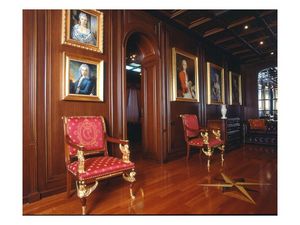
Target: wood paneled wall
43,152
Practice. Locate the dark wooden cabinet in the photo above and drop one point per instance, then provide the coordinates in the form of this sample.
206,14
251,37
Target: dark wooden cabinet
230,131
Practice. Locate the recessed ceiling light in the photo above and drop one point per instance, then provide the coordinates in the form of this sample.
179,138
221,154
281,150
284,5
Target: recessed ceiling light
272,53
261,42
246,27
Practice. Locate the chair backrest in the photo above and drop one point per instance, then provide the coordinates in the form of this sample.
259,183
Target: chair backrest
88,131
190,121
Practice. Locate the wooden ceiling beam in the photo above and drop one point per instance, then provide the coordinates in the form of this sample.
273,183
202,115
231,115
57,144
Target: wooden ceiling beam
266,13
220,12
267,27
241,51
221,24
212,31
177,13
220,41
240,22
242,34
256,40
168,20
199,22
206,19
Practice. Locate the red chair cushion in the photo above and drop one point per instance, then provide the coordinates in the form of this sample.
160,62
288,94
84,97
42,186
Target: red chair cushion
196,142
191,121
99,166
212,142
87,131
257,124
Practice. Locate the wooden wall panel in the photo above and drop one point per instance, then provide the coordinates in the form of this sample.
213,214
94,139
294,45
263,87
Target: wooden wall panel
50,107
43,162
215,56
182,41
30,188
148,30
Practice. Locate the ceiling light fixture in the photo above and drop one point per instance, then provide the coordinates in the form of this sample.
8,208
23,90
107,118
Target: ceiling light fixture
272,53
261,42
246,27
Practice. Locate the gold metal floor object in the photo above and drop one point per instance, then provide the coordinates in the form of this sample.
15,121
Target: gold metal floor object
229,183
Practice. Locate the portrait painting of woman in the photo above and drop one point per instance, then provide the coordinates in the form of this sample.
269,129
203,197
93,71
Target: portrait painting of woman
84,29
215,84
235,89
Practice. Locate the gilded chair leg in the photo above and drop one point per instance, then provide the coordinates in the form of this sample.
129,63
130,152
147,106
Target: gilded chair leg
132,196
83,205
208,153
222,149
208,164
83,191
130,178
69,184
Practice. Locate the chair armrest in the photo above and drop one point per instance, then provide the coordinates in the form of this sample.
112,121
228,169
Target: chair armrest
123,146
116,140
74,145
80,154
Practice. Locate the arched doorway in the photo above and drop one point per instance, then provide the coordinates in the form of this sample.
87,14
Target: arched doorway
142,55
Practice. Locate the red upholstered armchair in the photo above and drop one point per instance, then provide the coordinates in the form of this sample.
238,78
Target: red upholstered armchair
86,136
195,136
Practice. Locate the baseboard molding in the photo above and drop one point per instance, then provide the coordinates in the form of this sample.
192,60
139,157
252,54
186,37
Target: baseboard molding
32,197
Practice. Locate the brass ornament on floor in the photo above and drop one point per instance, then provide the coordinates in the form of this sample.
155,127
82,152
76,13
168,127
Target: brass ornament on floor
230,183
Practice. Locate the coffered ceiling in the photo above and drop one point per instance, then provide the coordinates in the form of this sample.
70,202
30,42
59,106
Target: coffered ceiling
248,35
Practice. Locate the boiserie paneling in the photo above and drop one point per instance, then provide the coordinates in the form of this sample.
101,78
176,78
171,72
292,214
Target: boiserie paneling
30,192
43,162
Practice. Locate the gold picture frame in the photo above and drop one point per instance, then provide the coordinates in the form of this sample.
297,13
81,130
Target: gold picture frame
83,29
83,79
185,78
215,84
235,88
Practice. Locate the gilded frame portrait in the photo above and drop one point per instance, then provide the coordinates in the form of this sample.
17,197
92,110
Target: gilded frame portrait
185,78
235,88
83,29
215,84
83,79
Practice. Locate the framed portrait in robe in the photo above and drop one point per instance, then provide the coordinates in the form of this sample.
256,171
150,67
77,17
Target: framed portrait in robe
82,78
83,29
235,88
185,80
215,84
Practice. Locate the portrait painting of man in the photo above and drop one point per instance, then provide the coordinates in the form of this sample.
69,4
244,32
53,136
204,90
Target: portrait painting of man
83,79
185,76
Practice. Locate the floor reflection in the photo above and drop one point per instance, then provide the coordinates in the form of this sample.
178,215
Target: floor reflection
136,206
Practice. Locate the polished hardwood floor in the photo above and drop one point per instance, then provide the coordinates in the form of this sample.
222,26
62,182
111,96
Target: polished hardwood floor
173,188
